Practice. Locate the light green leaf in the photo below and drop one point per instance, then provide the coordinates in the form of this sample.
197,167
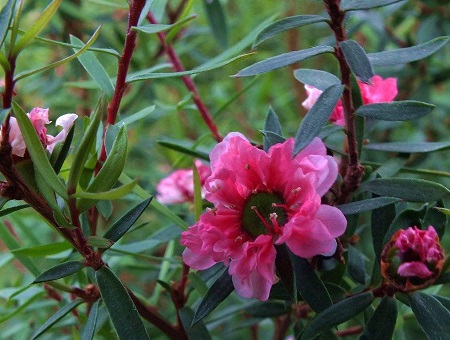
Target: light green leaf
5,19
352,5
112,194
217,21
43,250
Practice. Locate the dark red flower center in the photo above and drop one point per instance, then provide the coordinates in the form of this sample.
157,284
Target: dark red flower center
264,213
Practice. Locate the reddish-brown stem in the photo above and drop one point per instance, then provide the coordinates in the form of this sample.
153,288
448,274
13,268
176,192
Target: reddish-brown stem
150,314
9,83
188,82
354,171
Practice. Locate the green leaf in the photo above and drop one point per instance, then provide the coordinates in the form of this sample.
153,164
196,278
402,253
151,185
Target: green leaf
381,324
8,211
272,124
59,271
113,194
94,68
121,309
356,267
59,154
338,313
5,19
109,172
366,205
146,75
395,111
218,292
217,21
413,190
408,54
286,24
156,28
199,331
37,27
28,73
409,147
37,152
432,316
443,210
310,287
357,60
177,146
406,218
268,309
136,116
99,242
119,228
282,60
271,138
317,117
352,5
319,79
437,218
56,317
89,328
44,250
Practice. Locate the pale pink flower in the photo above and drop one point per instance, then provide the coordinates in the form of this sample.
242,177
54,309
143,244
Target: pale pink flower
39,118
178,187
262,200
413,258
379,91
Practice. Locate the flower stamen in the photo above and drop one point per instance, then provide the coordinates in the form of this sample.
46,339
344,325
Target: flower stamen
268,227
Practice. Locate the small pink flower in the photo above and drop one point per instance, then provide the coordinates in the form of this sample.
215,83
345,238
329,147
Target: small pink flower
262,200
380,91
413,258
39,118
178,187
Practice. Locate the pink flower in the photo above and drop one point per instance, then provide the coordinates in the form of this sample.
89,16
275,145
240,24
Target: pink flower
413,258
39,118
262,200
380,91
178,187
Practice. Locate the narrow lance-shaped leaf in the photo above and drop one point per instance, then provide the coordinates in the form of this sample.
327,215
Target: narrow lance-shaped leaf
37,152
357,60
406,218
356,267
409,147
56,317
319,79
217,21
218,292
352,5
156,28
414,190
5,19
37,27
113,194
286,24
272,124
59,271
366,205
94,68
338,313
381,324
43,250
395,111
317,117
282,60
89,328
121,309
408,54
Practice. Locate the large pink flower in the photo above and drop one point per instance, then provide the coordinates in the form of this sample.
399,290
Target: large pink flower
262,200
39,118
379,91
178,187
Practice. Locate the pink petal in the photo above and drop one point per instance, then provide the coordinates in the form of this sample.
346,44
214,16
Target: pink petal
65,121
410,269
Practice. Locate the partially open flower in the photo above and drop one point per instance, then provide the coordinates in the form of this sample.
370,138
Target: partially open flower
178,187
412,259
379,91
262,200
39,118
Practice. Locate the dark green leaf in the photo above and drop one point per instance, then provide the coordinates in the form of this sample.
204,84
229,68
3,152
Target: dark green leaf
197,332
366,205
156,28
89,328
5,19
121,309
61,156
436,218
56,317
408,54
357,60
268,309
271,138
382,323
351,5
395,111
119,228
217,21
99,242
338,313
317,117
282,60
59,271
8,211
319,79
183,149
408,147
94,68
286,24
356,267
444,300
432,316
272,124
310,287
218,292
406,218
408,189
328,130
